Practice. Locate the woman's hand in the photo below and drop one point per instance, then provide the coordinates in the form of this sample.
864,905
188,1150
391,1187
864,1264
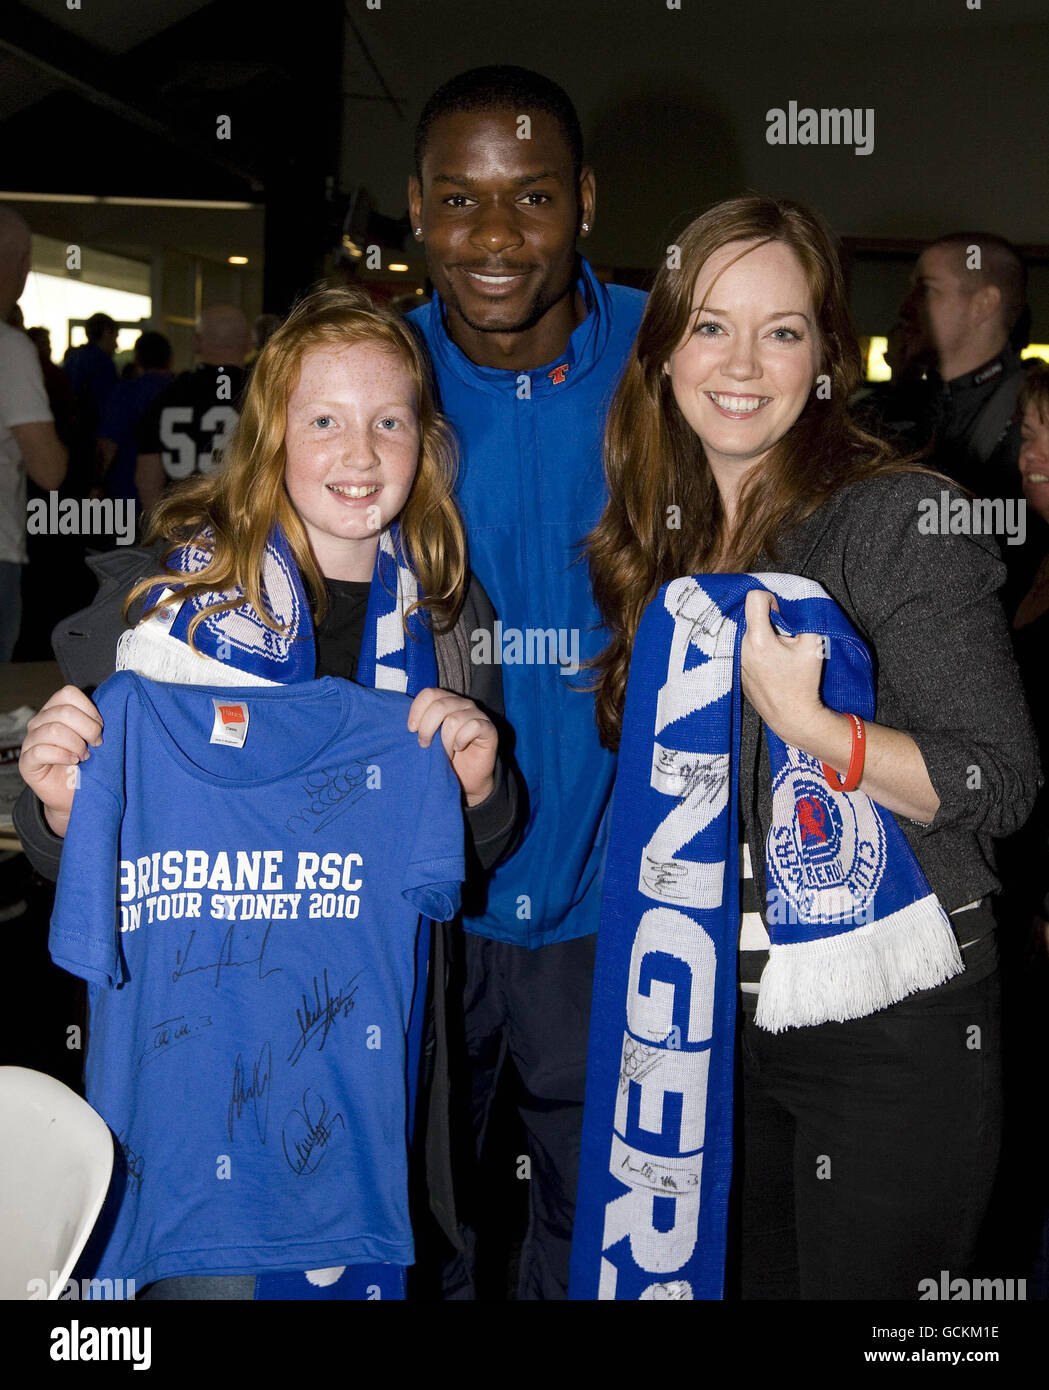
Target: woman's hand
781,679
781,675
470,738
57,739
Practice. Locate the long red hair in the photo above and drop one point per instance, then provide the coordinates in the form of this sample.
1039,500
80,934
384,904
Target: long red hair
240,502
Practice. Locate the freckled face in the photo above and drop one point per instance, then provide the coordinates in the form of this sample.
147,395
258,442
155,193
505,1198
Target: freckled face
352,446
744,370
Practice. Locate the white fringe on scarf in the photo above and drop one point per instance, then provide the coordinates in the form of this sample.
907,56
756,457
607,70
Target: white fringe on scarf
858,972
149,651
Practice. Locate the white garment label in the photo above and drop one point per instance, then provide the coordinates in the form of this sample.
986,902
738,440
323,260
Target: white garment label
231,723
165,615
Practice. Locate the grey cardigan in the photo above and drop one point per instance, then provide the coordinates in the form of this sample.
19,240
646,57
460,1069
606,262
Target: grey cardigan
927,607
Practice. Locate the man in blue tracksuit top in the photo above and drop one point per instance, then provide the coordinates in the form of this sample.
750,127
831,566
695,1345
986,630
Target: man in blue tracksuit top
528,347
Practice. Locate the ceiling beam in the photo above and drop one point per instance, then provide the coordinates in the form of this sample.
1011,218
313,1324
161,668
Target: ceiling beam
388,95
83,69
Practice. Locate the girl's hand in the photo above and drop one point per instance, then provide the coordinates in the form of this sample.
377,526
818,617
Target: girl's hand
470,738
57,738
781,675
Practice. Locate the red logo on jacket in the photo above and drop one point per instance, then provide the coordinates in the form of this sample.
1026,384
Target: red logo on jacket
558,375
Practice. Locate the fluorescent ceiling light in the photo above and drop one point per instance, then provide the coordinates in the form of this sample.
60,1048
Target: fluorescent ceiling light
215,205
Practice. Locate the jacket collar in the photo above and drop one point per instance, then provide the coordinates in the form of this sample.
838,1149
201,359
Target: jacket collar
988,376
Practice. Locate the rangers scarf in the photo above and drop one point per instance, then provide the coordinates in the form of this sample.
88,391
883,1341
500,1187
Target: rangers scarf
853,925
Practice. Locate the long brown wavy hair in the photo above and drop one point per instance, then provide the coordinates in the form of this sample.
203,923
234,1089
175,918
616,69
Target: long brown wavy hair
654,460
241,501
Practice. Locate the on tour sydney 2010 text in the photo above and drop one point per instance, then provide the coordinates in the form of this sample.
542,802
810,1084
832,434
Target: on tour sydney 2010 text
243,884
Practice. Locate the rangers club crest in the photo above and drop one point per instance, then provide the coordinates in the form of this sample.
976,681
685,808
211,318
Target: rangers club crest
826,850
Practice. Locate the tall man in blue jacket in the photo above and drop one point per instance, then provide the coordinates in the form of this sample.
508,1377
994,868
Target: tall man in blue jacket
528,347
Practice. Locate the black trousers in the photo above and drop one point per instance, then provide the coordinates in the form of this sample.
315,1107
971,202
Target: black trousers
870,1147
531,1008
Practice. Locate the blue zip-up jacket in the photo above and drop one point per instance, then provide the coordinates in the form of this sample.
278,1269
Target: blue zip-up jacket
531,485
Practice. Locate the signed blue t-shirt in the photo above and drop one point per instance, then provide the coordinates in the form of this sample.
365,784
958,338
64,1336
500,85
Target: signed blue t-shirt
241,886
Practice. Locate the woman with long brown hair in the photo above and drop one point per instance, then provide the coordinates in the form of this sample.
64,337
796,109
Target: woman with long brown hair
868,1145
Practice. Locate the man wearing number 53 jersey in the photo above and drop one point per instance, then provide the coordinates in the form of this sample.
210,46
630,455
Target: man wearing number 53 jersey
187,426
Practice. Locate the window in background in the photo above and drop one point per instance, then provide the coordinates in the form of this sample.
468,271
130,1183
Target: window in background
875,367
51,301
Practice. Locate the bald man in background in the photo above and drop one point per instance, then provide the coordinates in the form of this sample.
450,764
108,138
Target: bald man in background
187,427
29,445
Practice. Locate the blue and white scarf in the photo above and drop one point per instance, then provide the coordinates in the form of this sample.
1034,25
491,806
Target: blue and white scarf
387,661
235,647
853,925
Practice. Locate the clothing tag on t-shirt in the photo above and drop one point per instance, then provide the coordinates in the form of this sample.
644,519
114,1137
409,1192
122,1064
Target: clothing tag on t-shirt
167,611
231,723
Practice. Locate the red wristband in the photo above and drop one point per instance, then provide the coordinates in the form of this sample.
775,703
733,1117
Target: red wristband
852,778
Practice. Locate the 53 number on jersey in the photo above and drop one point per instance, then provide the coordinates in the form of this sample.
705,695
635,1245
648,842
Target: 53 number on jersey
180,456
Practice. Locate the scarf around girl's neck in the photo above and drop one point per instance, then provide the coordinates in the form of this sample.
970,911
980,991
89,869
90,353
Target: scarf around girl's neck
236,648
853,925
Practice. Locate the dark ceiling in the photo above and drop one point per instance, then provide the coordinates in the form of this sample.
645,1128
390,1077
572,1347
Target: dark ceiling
124,98
184,100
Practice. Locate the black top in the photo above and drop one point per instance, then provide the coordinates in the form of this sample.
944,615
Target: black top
944,415
1024,860
191,421
1031,645
955,407
341,630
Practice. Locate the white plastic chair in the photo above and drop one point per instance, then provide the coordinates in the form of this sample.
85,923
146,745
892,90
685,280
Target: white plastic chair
56,1159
